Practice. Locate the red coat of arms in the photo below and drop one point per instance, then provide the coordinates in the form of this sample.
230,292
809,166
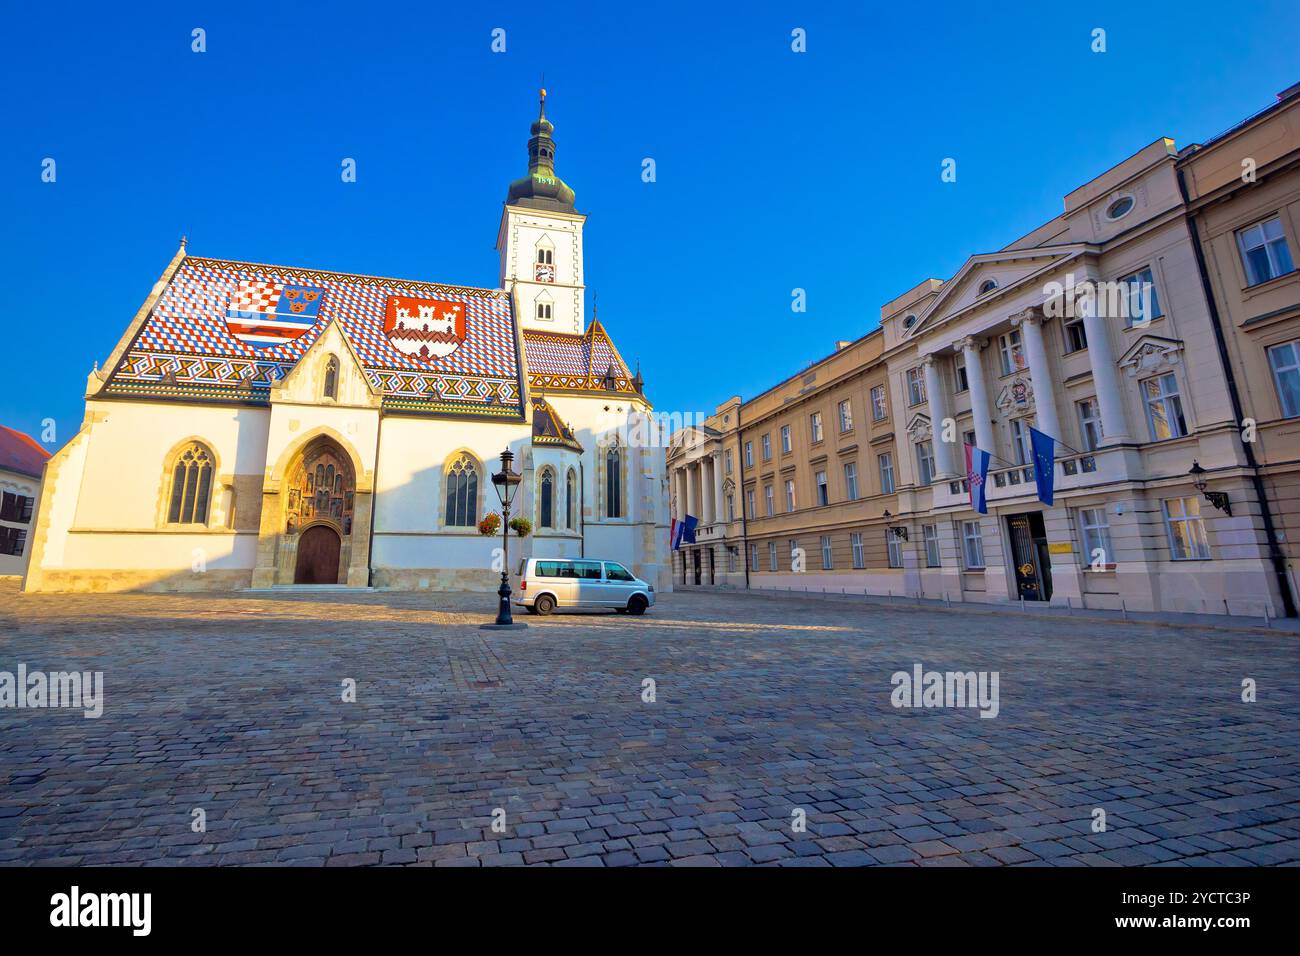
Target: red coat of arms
425,329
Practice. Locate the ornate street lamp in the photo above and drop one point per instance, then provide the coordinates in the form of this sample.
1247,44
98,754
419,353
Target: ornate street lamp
1217,498
506,482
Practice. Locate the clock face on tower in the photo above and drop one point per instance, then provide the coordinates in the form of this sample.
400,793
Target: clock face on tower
545,272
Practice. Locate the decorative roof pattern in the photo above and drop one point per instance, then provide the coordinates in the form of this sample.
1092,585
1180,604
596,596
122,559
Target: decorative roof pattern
21,454
189,344
548,429
563,360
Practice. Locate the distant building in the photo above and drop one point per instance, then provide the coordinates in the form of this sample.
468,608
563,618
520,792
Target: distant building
22,462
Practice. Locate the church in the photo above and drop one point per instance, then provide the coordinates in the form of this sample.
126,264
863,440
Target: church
264,426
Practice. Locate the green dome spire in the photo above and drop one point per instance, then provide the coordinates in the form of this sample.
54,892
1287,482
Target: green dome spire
541,188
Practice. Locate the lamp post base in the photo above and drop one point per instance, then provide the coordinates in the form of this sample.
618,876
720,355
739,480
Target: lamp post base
503,627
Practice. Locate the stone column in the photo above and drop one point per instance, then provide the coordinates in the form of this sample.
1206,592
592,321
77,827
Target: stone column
937,398
690,491
708,505
1030,323
979,394
719,505
1105,376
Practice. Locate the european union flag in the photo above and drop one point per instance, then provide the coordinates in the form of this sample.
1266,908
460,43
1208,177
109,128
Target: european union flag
1044,447
688,529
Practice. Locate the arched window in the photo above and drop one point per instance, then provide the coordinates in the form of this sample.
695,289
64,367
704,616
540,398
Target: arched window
613,483
547,503
570,499
191,486
332,378
462,493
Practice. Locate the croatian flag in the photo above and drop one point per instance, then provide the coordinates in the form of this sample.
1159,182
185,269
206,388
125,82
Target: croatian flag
1044,448
977,476
266,314
672,535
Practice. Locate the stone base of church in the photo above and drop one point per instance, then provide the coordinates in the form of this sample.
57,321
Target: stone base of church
436,579
99,582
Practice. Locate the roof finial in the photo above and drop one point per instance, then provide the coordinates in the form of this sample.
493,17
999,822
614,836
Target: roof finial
184,239
541,109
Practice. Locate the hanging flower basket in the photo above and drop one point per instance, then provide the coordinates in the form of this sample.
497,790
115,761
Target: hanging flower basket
521,526
490,524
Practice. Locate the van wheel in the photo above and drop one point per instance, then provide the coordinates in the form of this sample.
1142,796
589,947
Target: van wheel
544,604
636,605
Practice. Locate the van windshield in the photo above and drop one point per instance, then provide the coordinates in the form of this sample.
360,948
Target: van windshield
616,572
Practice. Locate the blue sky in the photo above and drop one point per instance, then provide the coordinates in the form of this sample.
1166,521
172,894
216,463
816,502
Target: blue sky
776,170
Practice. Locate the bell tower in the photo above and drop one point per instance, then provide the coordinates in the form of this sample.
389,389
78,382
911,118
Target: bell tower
540,240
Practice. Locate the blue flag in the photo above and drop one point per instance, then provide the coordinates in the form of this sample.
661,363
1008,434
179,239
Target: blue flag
688,529
1044,447
977,476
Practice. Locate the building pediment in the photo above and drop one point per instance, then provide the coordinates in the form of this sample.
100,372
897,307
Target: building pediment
918,429
1151,354
1008,270
306,382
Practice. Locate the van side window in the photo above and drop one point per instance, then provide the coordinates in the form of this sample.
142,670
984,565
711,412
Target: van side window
587,570
616,572
548,569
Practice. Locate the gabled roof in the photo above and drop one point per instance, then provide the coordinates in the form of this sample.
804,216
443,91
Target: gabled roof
186,348
21,454
576,362
549,430
1054,254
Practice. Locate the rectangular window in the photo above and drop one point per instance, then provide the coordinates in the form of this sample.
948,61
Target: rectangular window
1021,443
1164,407
1011,352
771,555
792,548
859,559
925,462
886,463
851,481
1187,539
753,557
789,494
731,561
16,508
726,462
959,372
815,426
915,387
1076,339
785,439
1264,252
749,454
13,541
972,545
767,447
879,410
968,438
1141,305
930,532
731,507
1089,423
749,504
544,310
894,545
1096,537
827,558
768,495
823,492
846,416
1285,362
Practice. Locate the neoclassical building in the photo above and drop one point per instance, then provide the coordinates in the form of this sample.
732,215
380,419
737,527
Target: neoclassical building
262,426
22,462
1104,328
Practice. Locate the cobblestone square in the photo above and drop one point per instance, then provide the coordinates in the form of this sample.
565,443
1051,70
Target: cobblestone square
764,706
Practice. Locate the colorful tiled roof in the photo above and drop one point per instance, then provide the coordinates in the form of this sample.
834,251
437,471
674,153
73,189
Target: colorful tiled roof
568,361
186,348
21,454
549,429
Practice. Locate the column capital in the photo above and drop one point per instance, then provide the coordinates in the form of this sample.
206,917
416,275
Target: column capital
971,343
1033,315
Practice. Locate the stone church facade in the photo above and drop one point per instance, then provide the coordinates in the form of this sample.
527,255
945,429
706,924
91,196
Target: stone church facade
262,426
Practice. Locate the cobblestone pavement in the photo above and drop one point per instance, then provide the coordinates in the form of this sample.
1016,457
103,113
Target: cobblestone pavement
765,705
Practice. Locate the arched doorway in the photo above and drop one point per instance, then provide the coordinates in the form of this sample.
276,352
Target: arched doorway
318,556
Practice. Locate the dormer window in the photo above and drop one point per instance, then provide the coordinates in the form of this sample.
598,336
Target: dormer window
988,285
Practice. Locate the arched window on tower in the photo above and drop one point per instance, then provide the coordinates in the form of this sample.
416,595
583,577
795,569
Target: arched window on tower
613,483
546,504
332,378
462,493
570,500
191,490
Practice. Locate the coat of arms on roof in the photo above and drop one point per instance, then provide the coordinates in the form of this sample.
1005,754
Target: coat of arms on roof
265,314
426,329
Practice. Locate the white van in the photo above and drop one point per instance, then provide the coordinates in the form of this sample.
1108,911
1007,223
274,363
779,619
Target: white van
548,583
